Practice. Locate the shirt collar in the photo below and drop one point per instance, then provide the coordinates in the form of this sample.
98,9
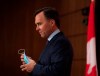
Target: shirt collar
53,34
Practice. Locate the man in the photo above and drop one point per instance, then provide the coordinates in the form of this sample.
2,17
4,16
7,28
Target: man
56,58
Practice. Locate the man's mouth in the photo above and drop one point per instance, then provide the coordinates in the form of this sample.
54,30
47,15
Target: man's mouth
40,32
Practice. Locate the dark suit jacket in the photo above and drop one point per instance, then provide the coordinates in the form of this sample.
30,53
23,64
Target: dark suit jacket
56,59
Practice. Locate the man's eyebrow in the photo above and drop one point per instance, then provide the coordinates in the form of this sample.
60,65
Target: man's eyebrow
38,23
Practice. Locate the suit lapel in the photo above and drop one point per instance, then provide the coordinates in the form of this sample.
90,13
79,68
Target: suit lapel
49,43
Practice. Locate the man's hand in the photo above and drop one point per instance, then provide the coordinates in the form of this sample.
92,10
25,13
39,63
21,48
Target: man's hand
27,67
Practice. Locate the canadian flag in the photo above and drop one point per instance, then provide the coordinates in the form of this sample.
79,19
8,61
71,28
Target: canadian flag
91,64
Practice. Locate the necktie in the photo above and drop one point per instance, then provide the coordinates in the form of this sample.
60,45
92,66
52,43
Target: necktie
47,42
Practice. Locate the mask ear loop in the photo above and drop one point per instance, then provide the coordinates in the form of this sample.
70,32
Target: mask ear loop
21,51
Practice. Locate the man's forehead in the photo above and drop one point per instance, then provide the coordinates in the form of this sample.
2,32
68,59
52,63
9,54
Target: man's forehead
40,16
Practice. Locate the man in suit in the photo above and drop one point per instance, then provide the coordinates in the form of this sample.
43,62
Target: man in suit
56,58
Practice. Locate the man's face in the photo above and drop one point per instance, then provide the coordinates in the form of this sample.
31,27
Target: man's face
43,25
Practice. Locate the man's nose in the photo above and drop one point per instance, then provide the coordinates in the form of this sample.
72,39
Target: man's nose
37,28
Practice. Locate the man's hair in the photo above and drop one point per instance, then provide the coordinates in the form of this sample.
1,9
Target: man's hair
50,13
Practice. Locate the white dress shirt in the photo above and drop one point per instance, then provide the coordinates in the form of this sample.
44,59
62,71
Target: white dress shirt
53,34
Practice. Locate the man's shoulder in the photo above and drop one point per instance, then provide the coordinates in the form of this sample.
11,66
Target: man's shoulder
59,39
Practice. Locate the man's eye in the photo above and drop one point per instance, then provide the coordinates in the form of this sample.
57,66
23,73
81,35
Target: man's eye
39,24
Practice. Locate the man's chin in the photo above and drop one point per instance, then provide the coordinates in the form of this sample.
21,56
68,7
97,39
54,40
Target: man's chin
42,36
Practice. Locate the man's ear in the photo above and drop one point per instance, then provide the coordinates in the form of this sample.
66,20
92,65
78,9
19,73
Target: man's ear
52,22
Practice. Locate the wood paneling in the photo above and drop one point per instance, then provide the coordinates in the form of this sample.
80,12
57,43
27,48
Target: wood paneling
79,69
72,24
68,6
79,46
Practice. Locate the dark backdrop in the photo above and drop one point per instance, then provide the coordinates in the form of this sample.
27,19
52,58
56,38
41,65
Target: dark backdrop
97,20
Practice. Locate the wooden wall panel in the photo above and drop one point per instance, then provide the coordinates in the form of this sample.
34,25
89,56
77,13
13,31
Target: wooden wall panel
72,24
79,46
79,69
46,3
68,6
15,33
